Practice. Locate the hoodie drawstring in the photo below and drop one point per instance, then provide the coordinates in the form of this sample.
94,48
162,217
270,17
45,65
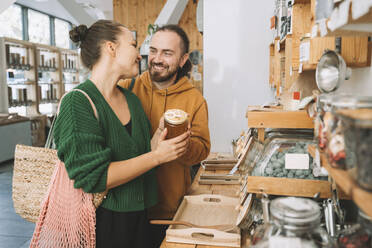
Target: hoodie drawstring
165,99
151,97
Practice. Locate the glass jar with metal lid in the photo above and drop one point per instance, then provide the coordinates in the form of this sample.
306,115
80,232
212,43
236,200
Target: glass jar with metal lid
295,222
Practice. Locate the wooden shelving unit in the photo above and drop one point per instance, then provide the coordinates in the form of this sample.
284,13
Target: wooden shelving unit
27,71
262,118
279,118
295,54
276,118
345,181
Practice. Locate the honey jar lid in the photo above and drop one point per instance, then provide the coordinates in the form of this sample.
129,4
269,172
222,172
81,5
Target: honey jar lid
175,116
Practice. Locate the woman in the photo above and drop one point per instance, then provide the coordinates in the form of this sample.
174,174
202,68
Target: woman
113,152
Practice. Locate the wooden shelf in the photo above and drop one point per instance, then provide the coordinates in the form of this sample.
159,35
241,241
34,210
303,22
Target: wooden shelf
288,186
345,181
342,22
278,118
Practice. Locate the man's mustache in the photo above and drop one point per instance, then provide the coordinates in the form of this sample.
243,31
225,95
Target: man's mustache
158,64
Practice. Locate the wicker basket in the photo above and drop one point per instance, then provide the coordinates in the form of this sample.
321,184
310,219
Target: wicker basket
33,169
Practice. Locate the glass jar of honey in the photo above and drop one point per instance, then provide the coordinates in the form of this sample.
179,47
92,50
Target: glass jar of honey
176,122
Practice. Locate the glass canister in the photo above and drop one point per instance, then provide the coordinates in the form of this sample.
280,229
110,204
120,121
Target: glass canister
331,140
323,109
286,156
175,120
359,235
357,129
295,222
253,154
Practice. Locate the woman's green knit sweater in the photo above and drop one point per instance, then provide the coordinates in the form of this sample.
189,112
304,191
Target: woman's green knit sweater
87,146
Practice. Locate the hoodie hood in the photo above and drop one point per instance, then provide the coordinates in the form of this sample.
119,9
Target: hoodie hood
181,85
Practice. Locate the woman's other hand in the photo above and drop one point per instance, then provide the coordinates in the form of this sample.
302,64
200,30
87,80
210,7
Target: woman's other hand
155,137
171,149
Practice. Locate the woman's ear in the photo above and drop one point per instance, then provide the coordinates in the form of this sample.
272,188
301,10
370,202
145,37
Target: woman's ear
110,48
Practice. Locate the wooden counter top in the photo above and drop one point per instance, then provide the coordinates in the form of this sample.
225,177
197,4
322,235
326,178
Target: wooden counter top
196,189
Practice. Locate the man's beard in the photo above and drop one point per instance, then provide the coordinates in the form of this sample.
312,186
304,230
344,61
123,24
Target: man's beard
157,77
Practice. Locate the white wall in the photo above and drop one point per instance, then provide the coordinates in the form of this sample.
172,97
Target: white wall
236,64
360,82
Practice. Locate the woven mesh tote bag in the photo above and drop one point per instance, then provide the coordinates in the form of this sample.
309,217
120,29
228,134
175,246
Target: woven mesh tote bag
32,175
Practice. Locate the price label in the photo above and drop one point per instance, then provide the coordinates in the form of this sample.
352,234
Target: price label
314,31
323,27
305,51
297,161
300,68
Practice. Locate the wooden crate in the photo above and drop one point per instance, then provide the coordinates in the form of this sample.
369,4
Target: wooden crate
288,186
206,210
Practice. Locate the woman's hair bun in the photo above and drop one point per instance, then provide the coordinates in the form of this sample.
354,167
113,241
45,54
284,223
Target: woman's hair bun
78,33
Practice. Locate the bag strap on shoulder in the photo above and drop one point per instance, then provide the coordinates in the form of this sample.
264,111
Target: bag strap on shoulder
86,95
49,140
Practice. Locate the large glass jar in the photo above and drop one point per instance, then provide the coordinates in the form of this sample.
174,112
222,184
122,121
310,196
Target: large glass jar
253,154
359,235
328,127
295,222
274,161
357,128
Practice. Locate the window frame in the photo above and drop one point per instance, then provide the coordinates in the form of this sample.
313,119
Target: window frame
25,25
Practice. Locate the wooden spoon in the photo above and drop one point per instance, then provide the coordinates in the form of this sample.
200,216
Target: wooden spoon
224,228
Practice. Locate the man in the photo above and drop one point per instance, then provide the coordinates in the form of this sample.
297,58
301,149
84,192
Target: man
165,86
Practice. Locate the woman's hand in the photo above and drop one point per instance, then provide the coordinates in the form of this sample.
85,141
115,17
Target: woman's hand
171,149
155,137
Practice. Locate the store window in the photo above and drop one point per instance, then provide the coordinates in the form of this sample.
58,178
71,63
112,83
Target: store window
38,27
11,22
61,33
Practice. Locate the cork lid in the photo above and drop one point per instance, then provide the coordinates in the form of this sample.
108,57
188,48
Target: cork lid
175,116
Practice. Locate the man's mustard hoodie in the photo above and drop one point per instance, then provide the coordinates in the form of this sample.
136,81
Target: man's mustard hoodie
174,177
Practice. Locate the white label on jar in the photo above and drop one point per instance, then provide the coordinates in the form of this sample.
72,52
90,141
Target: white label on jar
314,31
323,28
298,161
284,242
305,51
